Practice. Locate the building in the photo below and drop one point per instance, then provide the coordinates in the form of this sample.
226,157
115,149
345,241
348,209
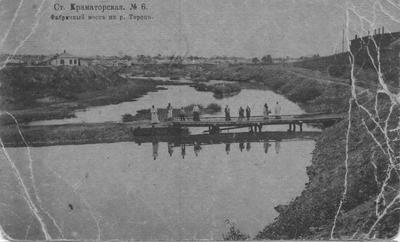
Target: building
65,59
14,62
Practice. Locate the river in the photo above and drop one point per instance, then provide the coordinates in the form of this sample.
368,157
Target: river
153,191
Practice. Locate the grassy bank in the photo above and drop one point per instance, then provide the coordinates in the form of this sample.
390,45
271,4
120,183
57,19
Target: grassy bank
311,214
220,90
40,93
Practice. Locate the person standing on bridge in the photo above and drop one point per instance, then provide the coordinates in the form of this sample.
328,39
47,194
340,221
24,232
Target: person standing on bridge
196,113
277,110
169,111
182,114
266,111
248,112
241,113
227,113
154,115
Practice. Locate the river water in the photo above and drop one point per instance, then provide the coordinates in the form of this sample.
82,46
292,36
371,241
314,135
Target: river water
152,191
180,96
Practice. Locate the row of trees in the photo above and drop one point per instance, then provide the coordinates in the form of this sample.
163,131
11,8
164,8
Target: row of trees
266,60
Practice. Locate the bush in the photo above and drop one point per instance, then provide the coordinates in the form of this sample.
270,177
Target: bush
214,107
234,233
128,117
304,94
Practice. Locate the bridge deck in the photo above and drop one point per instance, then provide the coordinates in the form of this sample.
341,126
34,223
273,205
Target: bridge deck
259,120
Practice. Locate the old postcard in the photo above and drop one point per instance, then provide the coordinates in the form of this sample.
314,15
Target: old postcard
172,120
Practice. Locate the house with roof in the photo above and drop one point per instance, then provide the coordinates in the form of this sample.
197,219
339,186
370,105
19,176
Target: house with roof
65,59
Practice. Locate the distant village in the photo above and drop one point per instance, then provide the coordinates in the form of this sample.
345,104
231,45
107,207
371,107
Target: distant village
387,43
65,58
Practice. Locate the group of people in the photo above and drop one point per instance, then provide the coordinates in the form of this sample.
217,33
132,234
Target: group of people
196,113
182,113
266,112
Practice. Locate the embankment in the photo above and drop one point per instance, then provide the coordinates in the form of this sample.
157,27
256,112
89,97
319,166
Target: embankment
311,214
38,93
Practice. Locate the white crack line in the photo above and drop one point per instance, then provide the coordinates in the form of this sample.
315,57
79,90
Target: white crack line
346,166
33,30
11,24
35,190
4,235
395,100
85,202
27,196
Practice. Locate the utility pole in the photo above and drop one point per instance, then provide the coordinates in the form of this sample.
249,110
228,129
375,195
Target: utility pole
343,40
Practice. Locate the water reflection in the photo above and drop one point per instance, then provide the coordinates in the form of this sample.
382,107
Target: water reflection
266,146
197,147
244,141
241,146
183,150
277,147
155,149
170,148
227,148
118,190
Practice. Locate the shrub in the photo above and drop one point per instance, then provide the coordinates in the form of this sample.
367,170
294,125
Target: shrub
304,94
234,233
213,107
128,117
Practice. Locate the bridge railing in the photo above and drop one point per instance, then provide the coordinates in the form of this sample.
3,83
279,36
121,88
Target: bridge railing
257,118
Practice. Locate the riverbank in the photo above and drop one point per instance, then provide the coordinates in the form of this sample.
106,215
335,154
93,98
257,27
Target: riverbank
311,215
33,94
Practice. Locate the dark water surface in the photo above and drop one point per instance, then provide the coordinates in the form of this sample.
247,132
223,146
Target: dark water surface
147,192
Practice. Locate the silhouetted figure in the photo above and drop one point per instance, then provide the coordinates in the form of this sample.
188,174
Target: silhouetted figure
227,148
155,149
241,146
196,148
170,149
169,112
248,147
277,147
227,113
182,114
241,113
183,151
266,111
248,112
266,146
196,113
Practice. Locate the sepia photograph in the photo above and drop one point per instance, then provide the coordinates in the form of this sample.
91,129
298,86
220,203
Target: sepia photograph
189,120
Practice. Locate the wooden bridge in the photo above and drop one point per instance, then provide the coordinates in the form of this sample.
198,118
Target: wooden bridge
217,124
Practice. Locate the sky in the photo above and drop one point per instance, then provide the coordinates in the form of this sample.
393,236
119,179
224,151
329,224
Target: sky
244,28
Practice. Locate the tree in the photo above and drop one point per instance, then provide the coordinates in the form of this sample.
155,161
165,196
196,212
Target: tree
266,60
255,60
